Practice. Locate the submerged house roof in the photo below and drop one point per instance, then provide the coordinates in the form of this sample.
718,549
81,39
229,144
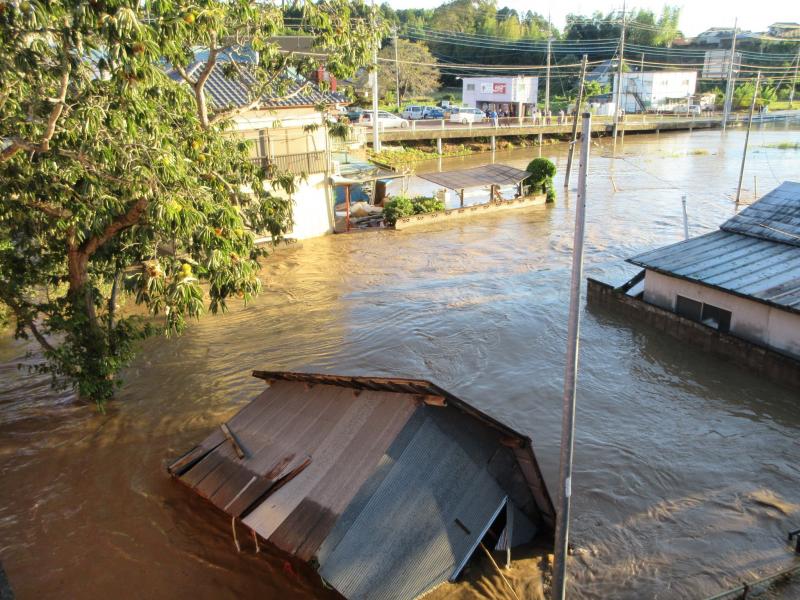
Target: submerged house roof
388,485
477,177
755,254
234,91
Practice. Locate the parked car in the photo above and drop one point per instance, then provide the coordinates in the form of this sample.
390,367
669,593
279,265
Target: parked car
433,112
354,114
467,115
386,119
413,112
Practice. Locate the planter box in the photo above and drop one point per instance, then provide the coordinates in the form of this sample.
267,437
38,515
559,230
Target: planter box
446,216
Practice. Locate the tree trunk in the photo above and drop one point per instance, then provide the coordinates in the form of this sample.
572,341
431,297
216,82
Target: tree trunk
80,292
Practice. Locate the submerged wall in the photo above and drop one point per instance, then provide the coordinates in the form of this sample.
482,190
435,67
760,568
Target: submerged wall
763,361
755,321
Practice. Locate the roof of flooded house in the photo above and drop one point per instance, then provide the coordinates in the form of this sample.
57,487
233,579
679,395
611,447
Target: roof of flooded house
755,254
233,90
477,177
388,485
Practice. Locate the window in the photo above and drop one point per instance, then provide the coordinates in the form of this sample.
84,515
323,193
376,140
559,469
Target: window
717,318
691,309
707,314
470,87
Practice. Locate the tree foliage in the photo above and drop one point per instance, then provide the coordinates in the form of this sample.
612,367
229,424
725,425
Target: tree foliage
118,181
417,77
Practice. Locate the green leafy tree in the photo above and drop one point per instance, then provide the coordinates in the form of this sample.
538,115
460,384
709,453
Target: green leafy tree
117,180
417,76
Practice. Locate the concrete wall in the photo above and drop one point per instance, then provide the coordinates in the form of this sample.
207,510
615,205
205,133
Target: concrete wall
753,321
763,361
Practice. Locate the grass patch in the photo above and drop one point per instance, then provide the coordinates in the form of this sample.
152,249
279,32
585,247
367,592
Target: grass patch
784,146
401,157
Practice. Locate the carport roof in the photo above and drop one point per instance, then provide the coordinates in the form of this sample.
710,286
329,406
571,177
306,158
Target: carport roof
477,177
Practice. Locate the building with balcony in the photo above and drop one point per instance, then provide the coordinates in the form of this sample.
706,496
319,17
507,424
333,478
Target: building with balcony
286,129
654,90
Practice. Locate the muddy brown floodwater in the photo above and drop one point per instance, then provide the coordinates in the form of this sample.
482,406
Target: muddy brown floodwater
687,470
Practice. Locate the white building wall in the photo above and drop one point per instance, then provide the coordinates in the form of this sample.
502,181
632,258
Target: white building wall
750,320
655,88
499,90
312,210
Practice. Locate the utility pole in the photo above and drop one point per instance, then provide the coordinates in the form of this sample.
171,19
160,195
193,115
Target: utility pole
547,81
685,219
376,140
396,71
575,121
726,107
619,75
794,82
571,373
747,136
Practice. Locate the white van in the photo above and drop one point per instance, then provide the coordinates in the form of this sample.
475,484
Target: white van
466,115
412,113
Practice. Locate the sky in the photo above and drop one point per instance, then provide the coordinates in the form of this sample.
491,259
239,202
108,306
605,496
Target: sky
696,16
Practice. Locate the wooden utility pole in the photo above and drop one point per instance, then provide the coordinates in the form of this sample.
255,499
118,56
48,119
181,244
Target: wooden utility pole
619,75
747,136
576,112
396,71
571,374
726,107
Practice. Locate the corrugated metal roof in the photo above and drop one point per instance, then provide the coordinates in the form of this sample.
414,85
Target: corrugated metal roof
363,474
433,483
235,91
756,268
776,216
477,177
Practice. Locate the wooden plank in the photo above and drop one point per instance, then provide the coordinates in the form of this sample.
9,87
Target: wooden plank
194,475
232,439
309,524
267,518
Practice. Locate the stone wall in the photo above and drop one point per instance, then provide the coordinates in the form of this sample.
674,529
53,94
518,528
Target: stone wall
765,362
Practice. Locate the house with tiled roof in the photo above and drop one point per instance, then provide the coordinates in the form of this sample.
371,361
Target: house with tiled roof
285,125
742,279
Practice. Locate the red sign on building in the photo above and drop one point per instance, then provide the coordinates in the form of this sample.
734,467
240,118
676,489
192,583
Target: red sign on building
498,88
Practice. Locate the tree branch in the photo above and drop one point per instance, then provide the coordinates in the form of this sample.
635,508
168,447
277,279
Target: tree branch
17,144
40,338
199,94
131,217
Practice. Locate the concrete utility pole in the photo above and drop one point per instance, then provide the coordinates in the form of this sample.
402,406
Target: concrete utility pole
575,121
547,81
571,373
726,107
619,75
747,136
376,140
396,71
685,219
794,82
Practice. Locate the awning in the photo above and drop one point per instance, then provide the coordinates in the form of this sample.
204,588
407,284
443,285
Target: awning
477,177
361,173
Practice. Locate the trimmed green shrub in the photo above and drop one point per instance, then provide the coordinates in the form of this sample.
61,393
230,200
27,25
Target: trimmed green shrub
402,206
541,176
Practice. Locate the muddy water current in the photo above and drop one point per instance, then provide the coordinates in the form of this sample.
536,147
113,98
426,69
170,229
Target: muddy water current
687,470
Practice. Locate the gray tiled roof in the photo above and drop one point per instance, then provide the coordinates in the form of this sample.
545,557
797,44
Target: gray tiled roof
774,217
755,254
233,92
